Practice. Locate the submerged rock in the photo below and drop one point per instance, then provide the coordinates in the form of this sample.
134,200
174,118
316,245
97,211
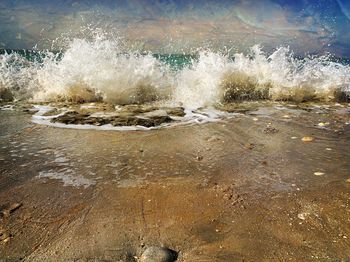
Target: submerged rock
139,121
176,111
76,118
160,119
159,254
71,117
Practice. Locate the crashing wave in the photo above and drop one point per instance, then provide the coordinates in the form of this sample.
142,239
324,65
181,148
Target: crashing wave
216,78
99,70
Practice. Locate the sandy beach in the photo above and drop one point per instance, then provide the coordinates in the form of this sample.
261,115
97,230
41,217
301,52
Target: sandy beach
271,183
174,131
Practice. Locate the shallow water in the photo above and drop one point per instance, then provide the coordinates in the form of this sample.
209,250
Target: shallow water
213,190
268,128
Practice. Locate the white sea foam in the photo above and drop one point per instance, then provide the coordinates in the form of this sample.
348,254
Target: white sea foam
91,70
96,70
7,107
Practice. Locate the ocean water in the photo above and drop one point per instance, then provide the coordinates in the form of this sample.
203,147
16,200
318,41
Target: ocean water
100,70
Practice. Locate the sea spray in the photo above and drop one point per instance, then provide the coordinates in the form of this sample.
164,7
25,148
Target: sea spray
198,85
90,71
16,74
99,69
216,78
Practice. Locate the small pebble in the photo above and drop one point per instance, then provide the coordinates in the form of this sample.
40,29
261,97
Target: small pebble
318,173
323,124
303,216
6,240
307,139
199,158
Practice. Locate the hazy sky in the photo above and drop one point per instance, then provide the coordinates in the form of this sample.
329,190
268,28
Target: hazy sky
314,26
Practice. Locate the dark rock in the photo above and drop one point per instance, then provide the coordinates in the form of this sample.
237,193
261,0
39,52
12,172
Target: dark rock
158,254
241,87
76,118
131,121
176,111
71,117
97,121
138,109
342,96
157,120
5,95
139,121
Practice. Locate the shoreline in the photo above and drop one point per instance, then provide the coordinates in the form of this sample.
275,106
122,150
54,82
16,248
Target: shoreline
244,188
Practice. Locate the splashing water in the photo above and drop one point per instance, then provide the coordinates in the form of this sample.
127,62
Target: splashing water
216,78
98,70
16,74
93,71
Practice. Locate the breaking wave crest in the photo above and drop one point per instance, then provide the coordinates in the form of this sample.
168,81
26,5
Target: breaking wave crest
99,70
216,78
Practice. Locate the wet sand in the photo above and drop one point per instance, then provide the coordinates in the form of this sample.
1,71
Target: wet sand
241,189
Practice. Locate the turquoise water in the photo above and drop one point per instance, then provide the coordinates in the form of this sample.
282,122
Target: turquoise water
176,61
